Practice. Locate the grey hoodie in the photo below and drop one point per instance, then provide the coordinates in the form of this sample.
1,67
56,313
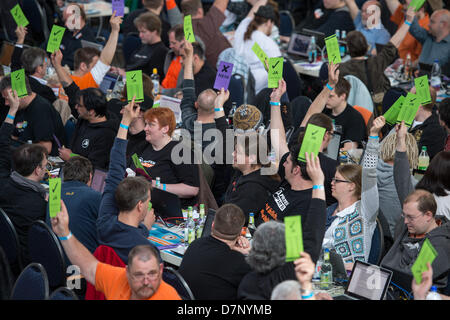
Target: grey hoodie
389,202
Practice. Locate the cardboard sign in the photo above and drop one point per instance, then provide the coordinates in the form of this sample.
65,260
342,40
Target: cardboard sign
294,237
55,38
392,113
275,71
409,109
54,198
18,83
134,86
223,77
262,56
416,4
333,52
188,29
423,89
19,16
119,7
427,254
311,142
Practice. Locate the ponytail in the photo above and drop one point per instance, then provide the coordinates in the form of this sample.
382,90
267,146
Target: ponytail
256,22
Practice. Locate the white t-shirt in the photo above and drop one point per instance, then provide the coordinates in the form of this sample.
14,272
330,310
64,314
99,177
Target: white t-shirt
244,49
99,71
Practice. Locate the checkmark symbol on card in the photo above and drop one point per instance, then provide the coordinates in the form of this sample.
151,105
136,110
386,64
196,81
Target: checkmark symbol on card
56,33
275,64
54,189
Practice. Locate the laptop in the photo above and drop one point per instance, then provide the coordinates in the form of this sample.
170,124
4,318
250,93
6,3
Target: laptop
298,45
332,150
320,36
337,263
109,82
98,180
367,282
166,204
208,223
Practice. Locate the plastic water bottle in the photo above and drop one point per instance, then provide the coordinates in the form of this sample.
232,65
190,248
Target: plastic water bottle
312,50
343,44
436,75
231,113
251,223
326,271
338,34
408,67
433,294
158,183
424,159
155,81
201,221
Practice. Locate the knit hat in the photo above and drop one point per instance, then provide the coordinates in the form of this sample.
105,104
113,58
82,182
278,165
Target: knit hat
266,12
247,117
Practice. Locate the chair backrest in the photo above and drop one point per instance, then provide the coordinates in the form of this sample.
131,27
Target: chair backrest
366,114
36,15
44,248
63,293
359,94
6,276
9,241
237,89
174,278
293,82
287,23
32,284
377,248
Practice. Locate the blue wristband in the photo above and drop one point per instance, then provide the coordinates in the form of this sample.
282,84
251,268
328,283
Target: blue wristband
373,137
218,109
318,186
124,126
164,186
329,87
408,23
10,116
275,103
308,296
66,237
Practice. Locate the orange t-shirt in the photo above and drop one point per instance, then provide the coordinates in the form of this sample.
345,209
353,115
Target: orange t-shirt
409,44
171,78
84,82
113,282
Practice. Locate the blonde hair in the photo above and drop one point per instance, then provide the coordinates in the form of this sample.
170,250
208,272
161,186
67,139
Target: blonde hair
388,146
353,173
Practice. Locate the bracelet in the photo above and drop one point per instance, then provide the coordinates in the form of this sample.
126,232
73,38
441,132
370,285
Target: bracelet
329,87
218,109
318,186
66,237
10,116
407,23
164,186
307,296
373,137
275,103
124,126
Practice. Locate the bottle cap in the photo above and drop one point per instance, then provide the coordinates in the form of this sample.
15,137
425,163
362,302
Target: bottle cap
424,148
433,289
155,70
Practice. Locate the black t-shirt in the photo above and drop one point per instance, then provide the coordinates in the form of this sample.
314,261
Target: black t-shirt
147,57
39,122
353,125
328,20
204,79
212,270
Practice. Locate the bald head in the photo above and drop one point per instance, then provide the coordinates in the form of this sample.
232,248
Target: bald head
205,101
440,24
370,13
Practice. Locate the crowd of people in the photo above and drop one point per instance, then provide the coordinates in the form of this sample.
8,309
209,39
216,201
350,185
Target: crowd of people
255,170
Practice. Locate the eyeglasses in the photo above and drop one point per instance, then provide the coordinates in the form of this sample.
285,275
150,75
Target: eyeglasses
152,275
339,180
410,218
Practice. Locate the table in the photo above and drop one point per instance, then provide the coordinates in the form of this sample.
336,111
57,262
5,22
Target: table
170,241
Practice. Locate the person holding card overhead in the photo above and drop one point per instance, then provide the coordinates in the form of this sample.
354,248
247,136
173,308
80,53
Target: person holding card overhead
256,29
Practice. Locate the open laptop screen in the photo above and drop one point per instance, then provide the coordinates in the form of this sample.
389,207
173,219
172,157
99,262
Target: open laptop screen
368,282
298,45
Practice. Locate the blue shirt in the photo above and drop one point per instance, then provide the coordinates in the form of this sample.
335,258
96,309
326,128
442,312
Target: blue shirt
431,49
377,34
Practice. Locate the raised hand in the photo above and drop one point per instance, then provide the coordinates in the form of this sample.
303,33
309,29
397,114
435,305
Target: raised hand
60,224
21,32
130,112
304,269
221,98
13,101
333,74
313,169
377,125
276,94
115,22
56,58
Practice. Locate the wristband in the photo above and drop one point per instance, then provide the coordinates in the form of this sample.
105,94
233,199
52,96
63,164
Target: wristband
218,109
373,137
124,126
10,116
164,186
66,237
307,296
407,23
318,186
275,103
329,87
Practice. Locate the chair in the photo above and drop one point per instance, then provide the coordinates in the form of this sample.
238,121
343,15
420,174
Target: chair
294,84
6,277
63,293
237,89
44,248
299,108
287,23
130,44
32,284
9,241
174,278
377,247
359,94
107,255
38,20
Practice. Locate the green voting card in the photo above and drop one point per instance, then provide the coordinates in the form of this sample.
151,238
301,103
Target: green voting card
54,197
134,86
409,109
275,71
137,162
188,29
55,38
262,56
150,205
312,141
423,89
392,113
293,237
427,254
18,83
416,4
19,16
333,52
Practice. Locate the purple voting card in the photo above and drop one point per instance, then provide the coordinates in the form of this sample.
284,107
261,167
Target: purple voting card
223,76
119,7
